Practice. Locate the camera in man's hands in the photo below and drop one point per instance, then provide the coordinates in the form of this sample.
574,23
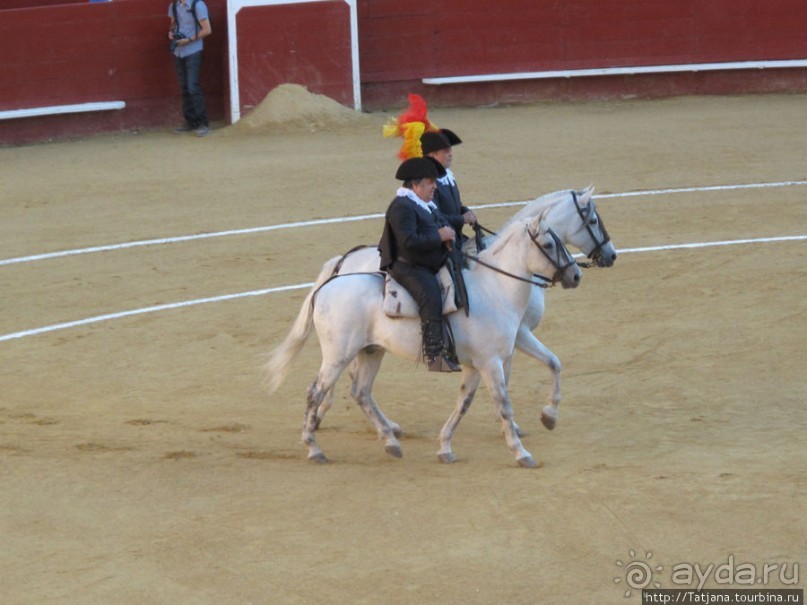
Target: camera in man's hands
178,35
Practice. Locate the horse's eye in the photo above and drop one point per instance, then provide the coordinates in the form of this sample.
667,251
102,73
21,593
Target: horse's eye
549,245
593,220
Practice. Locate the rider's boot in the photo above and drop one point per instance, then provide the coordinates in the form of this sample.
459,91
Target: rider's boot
434,353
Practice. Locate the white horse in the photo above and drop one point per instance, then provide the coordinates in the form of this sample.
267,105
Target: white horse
349,320
570,214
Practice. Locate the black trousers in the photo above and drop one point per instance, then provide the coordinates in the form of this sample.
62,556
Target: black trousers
422,284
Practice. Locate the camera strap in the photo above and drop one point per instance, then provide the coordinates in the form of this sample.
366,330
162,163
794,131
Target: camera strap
193,12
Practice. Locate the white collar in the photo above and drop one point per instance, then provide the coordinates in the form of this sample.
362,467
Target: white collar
404,192
448,179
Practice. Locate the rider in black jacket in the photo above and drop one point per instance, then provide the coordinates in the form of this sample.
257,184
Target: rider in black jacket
438,145
413,247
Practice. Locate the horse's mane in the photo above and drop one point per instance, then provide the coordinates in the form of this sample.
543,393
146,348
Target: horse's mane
539,204
495,245
535,207
531,209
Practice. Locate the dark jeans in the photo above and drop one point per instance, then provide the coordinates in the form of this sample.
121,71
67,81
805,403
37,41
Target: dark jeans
193,101
422,284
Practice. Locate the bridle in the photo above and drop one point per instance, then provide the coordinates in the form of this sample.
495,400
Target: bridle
560,264
562,260
596,254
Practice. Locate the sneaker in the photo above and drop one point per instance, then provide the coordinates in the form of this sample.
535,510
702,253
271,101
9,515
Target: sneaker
202,131
183,128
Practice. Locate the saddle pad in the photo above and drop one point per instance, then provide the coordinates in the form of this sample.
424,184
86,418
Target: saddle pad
399,303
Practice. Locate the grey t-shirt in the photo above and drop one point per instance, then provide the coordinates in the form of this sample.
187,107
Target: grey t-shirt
187,25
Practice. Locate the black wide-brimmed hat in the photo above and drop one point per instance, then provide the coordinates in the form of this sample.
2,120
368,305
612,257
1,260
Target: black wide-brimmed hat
437,140
451,136
433,141
420,168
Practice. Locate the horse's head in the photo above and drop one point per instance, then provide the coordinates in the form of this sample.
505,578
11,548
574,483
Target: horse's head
586,230
553,253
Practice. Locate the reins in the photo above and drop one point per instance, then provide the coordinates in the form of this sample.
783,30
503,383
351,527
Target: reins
477,228
547,281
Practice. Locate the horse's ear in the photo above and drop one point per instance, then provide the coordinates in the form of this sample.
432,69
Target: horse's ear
585,194
537,224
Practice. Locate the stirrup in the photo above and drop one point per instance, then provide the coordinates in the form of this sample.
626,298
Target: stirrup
441,363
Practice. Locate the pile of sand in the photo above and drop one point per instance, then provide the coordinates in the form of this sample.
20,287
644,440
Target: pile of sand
291,107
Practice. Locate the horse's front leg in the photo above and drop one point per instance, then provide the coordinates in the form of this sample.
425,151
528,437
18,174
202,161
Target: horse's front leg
526,342
496,382
364,369
470,382
508,366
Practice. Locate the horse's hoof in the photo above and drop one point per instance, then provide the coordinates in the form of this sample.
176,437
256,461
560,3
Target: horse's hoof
394,450
549,418
397,431
318,458
447,458
527,462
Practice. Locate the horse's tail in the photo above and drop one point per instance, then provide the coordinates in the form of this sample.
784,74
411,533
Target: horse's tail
281,357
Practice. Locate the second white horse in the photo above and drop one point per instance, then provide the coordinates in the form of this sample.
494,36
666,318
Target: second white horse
574,217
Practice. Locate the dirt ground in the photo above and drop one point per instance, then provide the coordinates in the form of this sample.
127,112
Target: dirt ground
141,462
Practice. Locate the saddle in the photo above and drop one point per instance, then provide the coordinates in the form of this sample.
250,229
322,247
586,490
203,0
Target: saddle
399,303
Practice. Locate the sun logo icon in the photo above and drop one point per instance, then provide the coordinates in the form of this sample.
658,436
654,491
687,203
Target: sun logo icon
638,573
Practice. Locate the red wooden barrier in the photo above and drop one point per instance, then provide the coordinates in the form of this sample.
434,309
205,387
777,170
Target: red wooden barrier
66,53
400,46
307,44
73,53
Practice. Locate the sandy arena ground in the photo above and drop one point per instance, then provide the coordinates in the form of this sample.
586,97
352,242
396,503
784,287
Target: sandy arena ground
141,462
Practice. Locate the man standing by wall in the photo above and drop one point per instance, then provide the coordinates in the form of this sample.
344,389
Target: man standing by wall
190,23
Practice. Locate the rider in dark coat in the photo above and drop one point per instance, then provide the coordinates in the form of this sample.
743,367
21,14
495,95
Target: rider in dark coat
437,145
413,247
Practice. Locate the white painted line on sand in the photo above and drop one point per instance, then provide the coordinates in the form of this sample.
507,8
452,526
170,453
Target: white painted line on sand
349,219
226,297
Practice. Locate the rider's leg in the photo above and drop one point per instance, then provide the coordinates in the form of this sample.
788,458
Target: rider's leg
422,284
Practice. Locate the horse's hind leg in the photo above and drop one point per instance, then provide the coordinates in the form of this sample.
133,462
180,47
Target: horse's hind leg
470,382
327,403
529,344
324,383
364,369
356,387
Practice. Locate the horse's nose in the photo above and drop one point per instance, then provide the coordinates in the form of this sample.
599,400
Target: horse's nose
607,260
577,277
